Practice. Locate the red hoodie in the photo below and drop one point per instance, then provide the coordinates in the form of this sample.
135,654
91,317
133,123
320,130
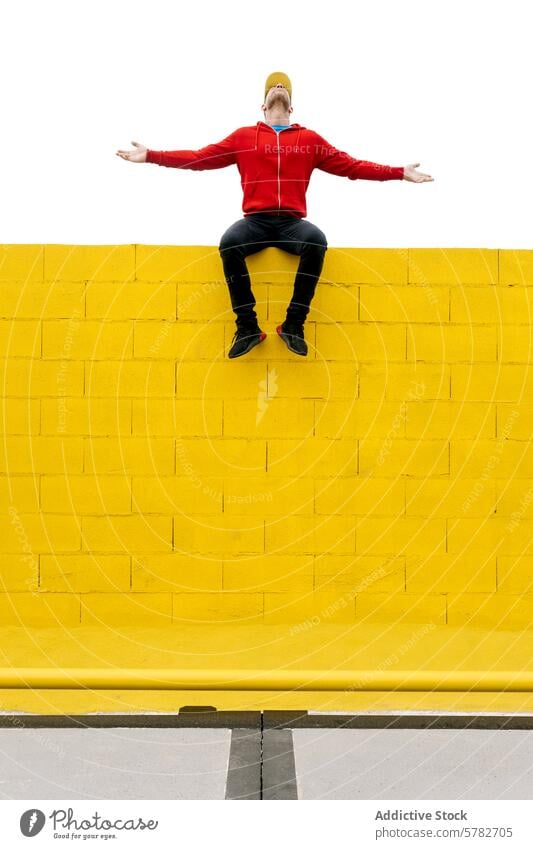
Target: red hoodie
275,169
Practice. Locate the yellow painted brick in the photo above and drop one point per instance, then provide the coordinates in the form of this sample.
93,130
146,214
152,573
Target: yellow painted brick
516,267
220,379
31,378
177,417
312,457
19,491
514,420
192,263
22,262
30,533
87,340
400,608
85,494
312,380
515,573
134,379
132,455
515,499
515,343
493,535
89,262
360,496
266,417
218,608
483,382
330,608
449,419
270,574
496,458
178,340
375,266
177,495
394,456
175,573
85,573
363,343
404,382
33,300
357,418
272,264
453,266
360,574
310,535
86,416
219,535
279,294
495,305
266,495
405,535
210,302
451,573
40,609
452,497
491,610
20,415
451,343
123,609
19,572
331,303
406,304
200,458
20,337
123,534
40,454
123,300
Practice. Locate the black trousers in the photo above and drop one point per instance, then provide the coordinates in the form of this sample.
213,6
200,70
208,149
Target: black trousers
261,230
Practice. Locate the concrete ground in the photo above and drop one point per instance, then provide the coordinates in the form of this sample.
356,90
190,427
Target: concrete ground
114,763
413,764
277,763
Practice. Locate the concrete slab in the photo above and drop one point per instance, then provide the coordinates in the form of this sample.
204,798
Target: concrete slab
114,763
413,764
279,773
244,771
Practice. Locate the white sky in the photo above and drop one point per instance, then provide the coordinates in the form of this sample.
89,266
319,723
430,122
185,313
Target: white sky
446,84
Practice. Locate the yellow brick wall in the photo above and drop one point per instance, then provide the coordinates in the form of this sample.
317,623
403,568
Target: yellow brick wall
147,479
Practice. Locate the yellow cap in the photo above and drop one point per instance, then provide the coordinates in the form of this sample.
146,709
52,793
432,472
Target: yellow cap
278,77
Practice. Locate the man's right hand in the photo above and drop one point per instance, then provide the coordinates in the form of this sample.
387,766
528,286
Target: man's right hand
137,155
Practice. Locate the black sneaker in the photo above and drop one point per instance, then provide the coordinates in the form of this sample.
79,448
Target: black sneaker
293,336
244,339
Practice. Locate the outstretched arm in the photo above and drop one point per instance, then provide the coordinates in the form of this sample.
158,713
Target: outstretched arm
218,155
328,158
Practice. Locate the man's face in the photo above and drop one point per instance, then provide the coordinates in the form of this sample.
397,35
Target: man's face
278,95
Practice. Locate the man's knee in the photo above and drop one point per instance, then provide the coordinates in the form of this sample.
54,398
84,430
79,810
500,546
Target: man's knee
227,243
315,238
316,242
231,239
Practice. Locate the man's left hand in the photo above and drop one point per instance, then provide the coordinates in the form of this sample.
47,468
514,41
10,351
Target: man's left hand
410,173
